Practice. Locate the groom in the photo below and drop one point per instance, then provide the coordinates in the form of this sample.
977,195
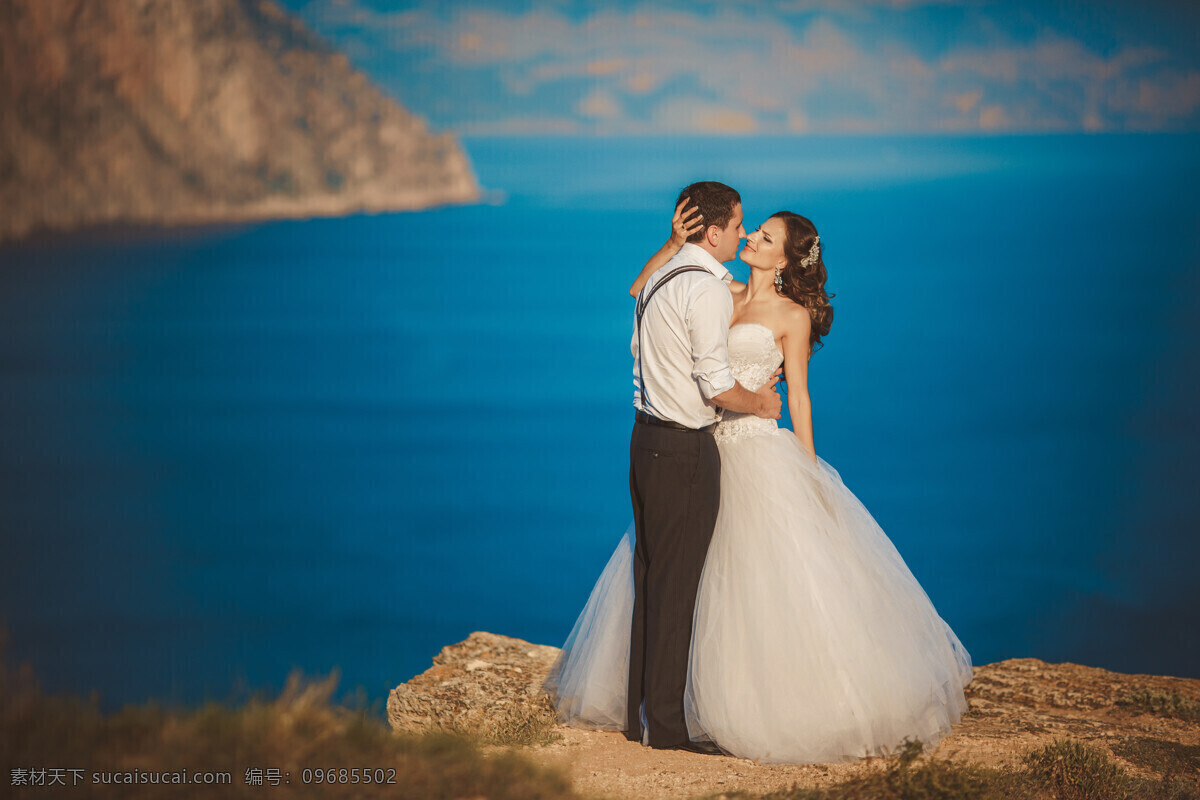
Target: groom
681,371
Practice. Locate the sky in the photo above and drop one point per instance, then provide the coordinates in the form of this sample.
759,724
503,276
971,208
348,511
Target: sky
746,67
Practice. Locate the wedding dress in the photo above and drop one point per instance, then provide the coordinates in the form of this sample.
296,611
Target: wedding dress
812,641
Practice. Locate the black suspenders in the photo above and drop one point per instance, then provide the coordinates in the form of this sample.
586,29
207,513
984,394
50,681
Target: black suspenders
643,301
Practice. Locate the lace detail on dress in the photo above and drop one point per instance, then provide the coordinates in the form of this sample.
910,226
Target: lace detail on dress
753,358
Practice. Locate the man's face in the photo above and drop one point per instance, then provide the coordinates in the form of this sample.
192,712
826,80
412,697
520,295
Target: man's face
729,238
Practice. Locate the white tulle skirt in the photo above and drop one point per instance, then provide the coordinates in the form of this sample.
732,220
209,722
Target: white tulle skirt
812,641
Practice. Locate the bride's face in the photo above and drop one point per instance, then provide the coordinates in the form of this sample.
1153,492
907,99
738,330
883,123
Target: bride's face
764,247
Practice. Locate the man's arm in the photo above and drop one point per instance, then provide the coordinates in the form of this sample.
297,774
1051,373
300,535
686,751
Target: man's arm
708,328
764,403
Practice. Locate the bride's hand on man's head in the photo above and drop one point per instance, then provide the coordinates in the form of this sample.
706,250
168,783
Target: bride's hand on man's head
687,221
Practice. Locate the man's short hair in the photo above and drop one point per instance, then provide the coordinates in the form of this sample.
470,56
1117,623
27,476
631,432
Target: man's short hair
715,201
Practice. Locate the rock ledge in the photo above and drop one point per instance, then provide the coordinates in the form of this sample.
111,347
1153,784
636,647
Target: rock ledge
1014,706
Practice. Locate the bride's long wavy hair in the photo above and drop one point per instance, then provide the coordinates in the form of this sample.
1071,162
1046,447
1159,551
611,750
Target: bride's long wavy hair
805,285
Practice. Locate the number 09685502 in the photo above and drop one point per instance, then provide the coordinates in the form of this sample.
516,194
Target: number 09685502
349,775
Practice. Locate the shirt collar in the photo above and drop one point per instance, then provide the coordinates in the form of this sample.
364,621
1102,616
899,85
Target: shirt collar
695,254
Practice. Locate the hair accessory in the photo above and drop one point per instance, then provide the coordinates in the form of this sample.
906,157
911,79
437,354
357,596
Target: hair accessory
778,279
813,254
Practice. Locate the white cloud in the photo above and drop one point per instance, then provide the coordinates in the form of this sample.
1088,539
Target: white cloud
861,6
601,104
524,126
1049,57
748,67
695,115
966,102
1177,94
993,118
491,37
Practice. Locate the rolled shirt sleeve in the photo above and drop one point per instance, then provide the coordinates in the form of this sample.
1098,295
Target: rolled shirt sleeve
709,313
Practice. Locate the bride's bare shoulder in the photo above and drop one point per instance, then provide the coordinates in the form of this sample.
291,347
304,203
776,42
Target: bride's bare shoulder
798,318
793,316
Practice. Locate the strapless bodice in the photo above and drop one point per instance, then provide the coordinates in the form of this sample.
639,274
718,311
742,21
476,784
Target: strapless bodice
753,359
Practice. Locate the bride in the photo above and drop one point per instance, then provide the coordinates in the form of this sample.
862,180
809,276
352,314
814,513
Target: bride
811,641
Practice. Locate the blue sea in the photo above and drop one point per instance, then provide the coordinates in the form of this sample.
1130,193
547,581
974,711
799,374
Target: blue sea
231,452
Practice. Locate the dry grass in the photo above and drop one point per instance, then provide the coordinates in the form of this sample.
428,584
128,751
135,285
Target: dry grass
302,729
1164,757
521,726
297,731
1075,771
1165,703
1063,770
910,778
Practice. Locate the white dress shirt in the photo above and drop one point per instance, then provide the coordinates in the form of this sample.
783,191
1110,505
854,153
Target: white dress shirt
685,334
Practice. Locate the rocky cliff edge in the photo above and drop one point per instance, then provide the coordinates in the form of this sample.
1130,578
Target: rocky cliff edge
490,686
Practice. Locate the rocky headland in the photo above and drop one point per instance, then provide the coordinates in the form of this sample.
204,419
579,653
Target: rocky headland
170,112
490,686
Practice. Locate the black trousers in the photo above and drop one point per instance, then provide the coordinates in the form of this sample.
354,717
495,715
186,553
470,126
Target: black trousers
675,485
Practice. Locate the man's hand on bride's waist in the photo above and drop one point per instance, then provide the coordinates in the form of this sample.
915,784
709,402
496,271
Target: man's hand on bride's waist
771,402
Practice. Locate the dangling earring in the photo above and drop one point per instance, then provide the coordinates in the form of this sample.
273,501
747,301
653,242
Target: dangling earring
778,279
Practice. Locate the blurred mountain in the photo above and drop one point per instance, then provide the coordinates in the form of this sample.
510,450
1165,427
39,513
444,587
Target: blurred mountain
185,111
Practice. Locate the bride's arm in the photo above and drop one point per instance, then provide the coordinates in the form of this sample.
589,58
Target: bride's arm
683,225
795,370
